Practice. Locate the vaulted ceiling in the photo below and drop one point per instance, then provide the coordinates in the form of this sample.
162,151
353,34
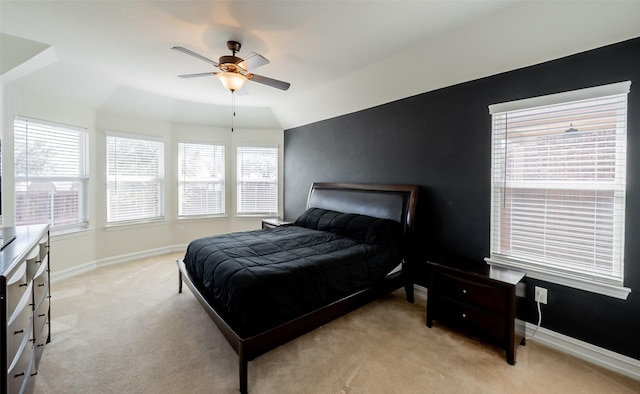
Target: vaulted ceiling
339,56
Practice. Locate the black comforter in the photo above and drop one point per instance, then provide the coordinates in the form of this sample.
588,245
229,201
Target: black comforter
259,279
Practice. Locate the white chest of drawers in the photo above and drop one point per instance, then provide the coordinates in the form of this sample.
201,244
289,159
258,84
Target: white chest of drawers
24,307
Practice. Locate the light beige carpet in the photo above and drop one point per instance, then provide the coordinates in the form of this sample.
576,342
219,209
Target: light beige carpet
125,329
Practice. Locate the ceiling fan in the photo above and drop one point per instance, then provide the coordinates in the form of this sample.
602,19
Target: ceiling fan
234,71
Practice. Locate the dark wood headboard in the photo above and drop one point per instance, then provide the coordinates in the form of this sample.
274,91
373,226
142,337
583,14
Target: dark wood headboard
396,202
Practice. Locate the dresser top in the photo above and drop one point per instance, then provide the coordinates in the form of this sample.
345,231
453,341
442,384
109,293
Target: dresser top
26,238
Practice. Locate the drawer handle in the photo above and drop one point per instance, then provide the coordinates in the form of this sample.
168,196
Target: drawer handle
24,284
41,284
18,375
18,332
42,315
40,345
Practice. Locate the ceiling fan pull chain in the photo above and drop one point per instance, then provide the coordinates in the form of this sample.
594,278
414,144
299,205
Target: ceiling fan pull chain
233,108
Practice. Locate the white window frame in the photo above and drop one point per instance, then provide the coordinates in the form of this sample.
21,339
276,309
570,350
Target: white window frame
157,179
76,171
202,178
607,286
274,180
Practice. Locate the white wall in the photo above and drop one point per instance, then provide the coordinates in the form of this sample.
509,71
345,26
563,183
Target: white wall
71,250
105,244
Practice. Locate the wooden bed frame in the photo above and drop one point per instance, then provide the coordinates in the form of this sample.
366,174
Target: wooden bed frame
397,202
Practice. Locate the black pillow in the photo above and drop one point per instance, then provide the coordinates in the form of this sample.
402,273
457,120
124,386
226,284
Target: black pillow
359,227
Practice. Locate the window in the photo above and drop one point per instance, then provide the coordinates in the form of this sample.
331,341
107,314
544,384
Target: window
257,180
201,179
51,174
135,179
558,187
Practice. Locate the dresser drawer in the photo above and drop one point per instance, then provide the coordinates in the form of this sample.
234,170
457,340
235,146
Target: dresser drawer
19,373
472,318
41,315
33,262
40,342
475,293
44,246
40,286
19,332
17,286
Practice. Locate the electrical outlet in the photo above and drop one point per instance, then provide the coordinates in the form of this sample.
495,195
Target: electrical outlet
541,295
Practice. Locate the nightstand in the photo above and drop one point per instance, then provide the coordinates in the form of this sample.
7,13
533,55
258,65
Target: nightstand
273,222
479,299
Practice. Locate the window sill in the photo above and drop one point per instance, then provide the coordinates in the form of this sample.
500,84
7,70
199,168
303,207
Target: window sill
256,215
126,225
610,290
64,234
203,218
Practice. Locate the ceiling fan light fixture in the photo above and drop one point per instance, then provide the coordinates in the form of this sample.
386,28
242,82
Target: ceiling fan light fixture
231,80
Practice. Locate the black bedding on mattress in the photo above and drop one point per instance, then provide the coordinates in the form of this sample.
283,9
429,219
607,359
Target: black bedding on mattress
259,279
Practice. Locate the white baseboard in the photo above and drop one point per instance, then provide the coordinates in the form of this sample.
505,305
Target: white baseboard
585,351
58,275
73,271
124,258
420,291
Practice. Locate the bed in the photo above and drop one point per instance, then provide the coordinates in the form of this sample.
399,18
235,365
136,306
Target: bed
264,288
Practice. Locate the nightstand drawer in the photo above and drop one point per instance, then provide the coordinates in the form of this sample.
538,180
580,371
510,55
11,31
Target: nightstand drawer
472,318
481,295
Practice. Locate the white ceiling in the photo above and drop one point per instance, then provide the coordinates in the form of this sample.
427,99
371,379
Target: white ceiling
339,56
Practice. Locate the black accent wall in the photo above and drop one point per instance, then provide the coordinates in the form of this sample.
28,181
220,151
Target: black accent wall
441,140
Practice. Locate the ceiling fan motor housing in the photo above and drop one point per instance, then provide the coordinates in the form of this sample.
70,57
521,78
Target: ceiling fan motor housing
229,59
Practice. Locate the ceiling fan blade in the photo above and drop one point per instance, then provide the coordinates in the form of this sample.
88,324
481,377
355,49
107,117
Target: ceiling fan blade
197,75
274,83
253,60
192,53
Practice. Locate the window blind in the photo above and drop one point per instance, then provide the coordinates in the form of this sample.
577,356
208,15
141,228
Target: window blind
51,174
558,187
201,179
135,179
257,179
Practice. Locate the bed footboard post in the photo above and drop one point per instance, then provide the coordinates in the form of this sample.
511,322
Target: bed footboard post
179,281
243,365
408,283
408,289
